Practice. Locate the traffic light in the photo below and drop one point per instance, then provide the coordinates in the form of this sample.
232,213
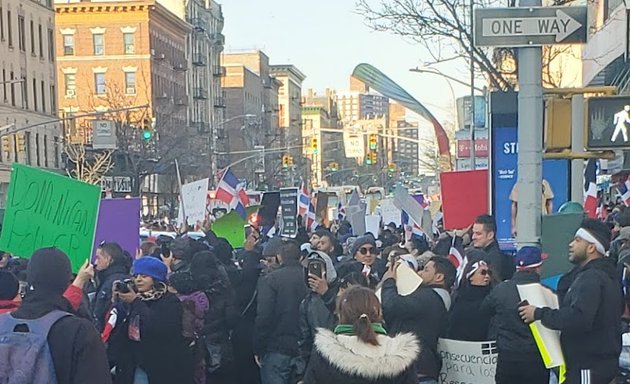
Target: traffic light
6,144
285,161
148,128
373,140
391,167
21,143
333,166
557,123
290,161
370,158
315,145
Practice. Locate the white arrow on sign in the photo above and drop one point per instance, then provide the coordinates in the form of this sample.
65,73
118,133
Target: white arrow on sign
561,25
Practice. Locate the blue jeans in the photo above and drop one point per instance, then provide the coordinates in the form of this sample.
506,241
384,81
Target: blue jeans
276,368
140,376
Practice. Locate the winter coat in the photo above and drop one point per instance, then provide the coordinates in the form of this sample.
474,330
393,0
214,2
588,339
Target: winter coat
466,320
76,348
589,318
162,351
344,359
423,313
316,311
102,301
501,263
349,266
195,306
277,327
514,338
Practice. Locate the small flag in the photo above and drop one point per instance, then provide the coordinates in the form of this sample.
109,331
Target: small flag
304,200
109,325
457,258
311,218
624,190
590,188
232,192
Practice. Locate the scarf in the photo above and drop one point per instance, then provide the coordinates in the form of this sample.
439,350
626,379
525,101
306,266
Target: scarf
155,294
348,329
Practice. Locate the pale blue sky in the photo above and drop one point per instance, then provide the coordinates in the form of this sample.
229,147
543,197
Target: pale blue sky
325,39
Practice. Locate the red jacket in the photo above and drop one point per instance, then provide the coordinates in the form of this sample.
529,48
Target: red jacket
73,294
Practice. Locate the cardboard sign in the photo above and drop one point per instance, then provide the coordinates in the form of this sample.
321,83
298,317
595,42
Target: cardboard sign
464,197
119,221
390,212
467,361
289,206
194,197
44,209
373,225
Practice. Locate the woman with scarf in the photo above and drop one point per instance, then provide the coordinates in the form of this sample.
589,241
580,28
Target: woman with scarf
467,322
359,350
154,350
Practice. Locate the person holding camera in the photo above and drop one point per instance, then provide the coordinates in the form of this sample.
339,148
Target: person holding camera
153,348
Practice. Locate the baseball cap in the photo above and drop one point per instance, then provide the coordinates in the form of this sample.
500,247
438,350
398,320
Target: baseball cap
529,257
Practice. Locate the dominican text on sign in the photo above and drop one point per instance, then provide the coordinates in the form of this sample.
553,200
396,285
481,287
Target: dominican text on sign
44,209
531,26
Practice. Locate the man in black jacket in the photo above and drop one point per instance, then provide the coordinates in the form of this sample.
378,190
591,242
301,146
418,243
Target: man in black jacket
484,233
423,312
519,360
591,305
76,348
277,328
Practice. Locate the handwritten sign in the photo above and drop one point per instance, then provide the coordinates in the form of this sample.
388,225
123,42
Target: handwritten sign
194,195
44,209
467,362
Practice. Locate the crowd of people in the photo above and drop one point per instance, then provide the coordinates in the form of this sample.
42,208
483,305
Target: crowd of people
321,308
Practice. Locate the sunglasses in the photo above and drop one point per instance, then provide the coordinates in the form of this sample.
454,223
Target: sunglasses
486,272
365,251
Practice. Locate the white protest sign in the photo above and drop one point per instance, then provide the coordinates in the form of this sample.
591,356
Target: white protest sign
407,281
467,362
390,212
373,224
546,339
405,202
194,197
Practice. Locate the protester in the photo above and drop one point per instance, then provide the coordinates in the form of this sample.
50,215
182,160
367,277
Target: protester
484,237
111,264
623,224
270,252
466,320
591,305
519,361
277,329
149,248
9,292
424,312
155,350
77,353
365,261
329,244
359,350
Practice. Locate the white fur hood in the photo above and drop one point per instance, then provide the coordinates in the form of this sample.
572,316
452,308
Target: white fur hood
356,358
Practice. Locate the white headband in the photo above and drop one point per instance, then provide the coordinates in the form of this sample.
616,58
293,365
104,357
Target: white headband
586,236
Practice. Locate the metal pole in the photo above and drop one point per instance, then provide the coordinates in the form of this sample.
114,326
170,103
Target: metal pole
472,90
530,132
181,198
577,146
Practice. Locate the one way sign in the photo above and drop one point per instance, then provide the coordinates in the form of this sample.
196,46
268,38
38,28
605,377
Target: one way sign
531,26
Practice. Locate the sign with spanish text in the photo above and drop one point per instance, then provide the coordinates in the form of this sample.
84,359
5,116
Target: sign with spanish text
289,206
44,209
467,361
194,197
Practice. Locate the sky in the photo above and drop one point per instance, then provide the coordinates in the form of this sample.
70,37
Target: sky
326,39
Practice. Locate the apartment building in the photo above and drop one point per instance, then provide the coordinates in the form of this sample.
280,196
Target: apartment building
29,89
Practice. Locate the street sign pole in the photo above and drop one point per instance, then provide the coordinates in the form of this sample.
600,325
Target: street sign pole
577,146
530,133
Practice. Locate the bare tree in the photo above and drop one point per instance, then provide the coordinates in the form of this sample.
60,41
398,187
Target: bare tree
88,169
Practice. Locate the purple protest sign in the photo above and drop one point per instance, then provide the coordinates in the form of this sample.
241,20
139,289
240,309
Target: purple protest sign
119,221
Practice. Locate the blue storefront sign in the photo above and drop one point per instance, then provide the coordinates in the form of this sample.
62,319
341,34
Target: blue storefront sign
504,177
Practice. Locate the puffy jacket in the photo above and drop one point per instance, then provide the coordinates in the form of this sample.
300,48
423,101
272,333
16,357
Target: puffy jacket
589,318
102,300
423,313
514,338
277,326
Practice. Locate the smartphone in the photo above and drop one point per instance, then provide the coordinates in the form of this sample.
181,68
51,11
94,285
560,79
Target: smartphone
523,303
316,268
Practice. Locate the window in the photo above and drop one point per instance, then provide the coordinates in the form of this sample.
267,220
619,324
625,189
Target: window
35,94
51,45
9,29
46,151
68,45
12,84
4,85
98,41
99,83
128,40
37,161
32,30
70,82
41,41
1,24
130,83
53,100
24,85
43,88
21,33
56,140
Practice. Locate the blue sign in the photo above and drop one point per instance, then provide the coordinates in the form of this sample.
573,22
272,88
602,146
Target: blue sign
504,177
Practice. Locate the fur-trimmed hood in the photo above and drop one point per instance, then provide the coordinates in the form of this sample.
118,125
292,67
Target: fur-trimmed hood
356,358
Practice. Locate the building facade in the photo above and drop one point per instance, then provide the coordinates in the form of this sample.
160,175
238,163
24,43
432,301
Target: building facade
29,88
128,59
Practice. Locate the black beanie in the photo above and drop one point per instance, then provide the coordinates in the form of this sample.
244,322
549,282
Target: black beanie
9,286
49,269
599,230
361,241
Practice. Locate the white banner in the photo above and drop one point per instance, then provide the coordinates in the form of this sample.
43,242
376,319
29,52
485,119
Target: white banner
467,362
194,195
373,225
390,212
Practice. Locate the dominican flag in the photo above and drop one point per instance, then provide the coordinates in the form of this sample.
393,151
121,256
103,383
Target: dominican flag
457,257
624,191
304,200
590,188
109,325
311,218
232,192
341,212
421,200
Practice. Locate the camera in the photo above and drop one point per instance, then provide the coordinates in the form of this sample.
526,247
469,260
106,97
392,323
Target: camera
124,286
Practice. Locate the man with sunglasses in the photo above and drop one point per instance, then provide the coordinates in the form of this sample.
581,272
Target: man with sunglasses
365,261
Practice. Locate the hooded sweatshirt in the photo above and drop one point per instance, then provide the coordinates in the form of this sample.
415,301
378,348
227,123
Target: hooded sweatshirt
589,318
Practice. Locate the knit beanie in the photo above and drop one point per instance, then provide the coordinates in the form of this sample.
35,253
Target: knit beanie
183,282
9,286
49,270
180,248
361,241
150,266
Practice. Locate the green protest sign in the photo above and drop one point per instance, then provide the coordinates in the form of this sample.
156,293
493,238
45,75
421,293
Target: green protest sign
44,209
232,227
